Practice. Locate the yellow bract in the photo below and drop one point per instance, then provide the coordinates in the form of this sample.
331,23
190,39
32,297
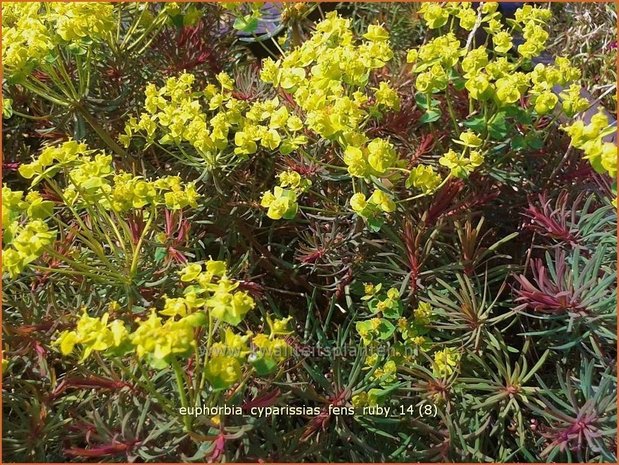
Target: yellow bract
424,177
91,179
460,165
93,334
31,31
282,203
25,233
590,139
445,362
378,202
159,341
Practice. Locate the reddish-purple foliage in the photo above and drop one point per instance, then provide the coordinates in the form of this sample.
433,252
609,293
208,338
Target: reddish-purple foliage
579,431
552,221
192,47
548,295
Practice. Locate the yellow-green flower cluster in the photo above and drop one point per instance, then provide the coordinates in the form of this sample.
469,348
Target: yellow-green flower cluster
52,158
32,31
373,159
226,357
531,20
389,306
386,373
424,178
93,334
176,113
370,207
461,165
282,202
270,125
131,192
78,20
153,340
294,180
223,371
590,139
170,332
219,296
423,313
372,397
572,100
15,207
445,362
432,62
327,77
266,352
270,351
371,330
329,60
435,15
161,341
28,244
91,179
190,15
490,73
413,330
25,233
229,306
406,338
213,291
545,77
464,163
158,342
385,96
25,38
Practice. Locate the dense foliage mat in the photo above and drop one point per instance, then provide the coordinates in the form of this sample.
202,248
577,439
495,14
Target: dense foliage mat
251,232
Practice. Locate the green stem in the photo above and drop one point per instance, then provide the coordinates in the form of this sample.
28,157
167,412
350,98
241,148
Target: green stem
178,372
102,133
425,194
136,22
243,382
83,233
138,246
45,93
84,268
207,351
73,273
157,23
35,118
452,114
148,385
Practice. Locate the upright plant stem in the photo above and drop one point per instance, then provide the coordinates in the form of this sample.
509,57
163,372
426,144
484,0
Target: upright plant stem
452,114
101,132
178,372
